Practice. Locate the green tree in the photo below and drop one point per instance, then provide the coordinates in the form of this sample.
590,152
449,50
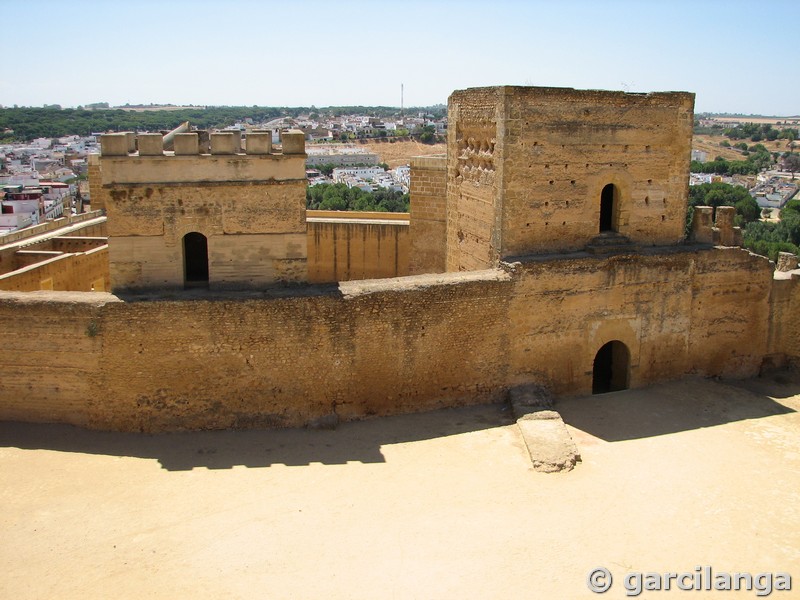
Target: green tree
792,163
723,194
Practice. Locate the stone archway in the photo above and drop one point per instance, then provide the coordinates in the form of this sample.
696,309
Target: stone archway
611,369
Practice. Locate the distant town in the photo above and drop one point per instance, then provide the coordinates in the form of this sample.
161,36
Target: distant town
45,177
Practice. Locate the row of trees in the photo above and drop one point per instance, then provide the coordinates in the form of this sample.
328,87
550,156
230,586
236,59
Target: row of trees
723,194
22,123
337,196
758,157
28,123
769,238
762,237
755,132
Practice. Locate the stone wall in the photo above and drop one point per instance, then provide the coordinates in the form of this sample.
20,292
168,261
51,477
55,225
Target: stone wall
249,208
96,196
346,245
473,179
256,234
51,361
527,169
380,347
428,229
70,272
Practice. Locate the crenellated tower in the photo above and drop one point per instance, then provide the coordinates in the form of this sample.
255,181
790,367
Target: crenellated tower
209,213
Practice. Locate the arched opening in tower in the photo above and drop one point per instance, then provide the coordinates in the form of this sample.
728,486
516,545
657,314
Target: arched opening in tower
195,260
608,208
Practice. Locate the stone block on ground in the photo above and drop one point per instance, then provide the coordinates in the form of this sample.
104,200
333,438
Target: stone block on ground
549,444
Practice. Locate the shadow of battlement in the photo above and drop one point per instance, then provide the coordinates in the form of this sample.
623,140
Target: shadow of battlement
350,442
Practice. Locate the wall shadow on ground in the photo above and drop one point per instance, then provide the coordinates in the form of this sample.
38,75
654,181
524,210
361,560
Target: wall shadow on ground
687,404
355,441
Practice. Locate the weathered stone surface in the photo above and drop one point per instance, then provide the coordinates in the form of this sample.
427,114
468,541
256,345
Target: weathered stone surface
329,421
548,442
529,398
527,167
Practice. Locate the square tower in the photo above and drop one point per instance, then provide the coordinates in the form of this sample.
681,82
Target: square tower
204,215
545,170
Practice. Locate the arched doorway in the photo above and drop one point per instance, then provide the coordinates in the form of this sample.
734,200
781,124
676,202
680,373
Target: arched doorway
609,210
611,371
195,260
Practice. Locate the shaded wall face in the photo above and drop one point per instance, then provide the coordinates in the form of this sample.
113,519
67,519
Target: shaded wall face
474,168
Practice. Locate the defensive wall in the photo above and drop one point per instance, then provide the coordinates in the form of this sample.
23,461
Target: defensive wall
341,246
542,277
217,216
383,346
428,224
70,257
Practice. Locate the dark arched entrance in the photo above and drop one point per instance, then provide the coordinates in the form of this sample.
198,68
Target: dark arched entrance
195,260
608,208
611,368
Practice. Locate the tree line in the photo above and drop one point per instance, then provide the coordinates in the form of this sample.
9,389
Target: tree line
337,196
24,123
757,158
766,238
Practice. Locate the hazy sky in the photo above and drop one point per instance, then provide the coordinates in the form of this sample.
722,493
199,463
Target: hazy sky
736,56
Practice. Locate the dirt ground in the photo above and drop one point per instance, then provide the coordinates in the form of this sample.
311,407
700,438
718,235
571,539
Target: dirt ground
437,505
399,153
710,144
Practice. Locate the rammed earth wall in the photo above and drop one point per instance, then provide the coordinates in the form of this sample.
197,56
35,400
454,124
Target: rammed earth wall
362,348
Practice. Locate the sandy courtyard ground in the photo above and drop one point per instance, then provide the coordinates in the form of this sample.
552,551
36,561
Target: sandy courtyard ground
439,505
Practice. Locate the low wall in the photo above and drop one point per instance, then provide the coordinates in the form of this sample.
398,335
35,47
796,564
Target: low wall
15,236
41,236
203,360
343,246
428,214
73,272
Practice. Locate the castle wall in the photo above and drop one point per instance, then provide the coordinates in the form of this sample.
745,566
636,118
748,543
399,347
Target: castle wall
70,272
96,196
428,230
51,359
256,234
784,326
563,146
87,224
384,346
342,247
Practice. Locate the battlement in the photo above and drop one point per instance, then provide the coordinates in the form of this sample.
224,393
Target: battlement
198,156
722,232
257,142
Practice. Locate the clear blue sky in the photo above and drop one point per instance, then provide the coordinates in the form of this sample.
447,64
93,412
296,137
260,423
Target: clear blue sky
736,56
